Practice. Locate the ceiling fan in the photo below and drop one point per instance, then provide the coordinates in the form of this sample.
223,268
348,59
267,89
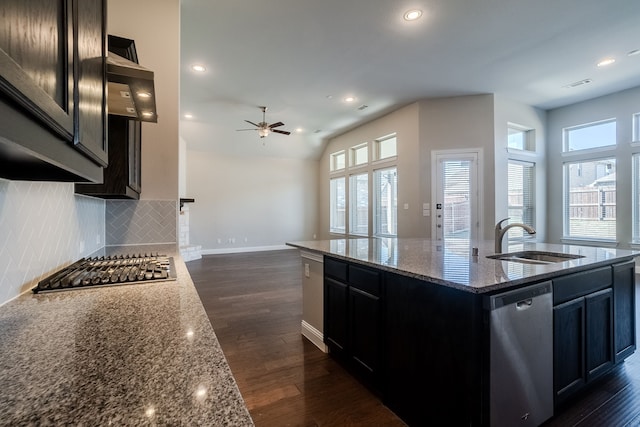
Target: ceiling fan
263,128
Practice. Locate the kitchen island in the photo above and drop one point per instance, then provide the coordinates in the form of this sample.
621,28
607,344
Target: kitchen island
412,319
132,354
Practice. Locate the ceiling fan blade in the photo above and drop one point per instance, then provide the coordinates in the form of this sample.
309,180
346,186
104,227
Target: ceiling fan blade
252,123
275,125
284,132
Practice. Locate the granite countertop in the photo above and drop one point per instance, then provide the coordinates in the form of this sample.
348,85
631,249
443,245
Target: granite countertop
135,354
451,263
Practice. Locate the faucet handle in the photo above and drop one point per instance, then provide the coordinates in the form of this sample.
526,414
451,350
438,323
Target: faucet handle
499,224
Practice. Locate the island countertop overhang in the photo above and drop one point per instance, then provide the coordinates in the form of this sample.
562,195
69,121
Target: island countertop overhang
452,263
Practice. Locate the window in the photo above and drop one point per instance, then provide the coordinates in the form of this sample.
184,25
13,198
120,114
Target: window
592,135
359,204
360,154
590,199
520,137
385,211
521,196
386,147
636,198
636,127
337,161
337,202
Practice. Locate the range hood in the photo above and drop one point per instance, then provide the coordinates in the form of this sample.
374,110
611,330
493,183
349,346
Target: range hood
130,87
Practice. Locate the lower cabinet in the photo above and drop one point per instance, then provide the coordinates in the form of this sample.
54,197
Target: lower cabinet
353,319
624,309
424,347
594,325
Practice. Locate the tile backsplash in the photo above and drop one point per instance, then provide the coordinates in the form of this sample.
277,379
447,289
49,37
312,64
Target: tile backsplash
132,222
44,226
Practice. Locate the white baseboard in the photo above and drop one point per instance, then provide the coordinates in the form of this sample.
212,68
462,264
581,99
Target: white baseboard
314,335
246,249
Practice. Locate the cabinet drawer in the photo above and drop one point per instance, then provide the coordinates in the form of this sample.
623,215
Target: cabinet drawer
576,285
364,279
335,269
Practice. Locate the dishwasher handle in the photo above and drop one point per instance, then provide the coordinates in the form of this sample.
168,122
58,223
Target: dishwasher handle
522,298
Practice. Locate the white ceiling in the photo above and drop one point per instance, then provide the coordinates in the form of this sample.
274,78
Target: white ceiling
301,58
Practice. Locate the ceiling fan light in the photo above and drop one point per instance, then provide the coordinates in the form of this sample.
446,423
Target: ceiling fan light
263,132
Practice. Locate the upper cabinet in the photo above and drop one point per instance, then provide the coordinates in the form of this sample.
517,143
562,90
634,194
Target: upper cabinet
53,90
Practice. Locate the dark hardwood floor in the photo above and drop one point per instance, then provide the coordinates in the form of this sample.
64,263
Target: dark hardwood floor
254,302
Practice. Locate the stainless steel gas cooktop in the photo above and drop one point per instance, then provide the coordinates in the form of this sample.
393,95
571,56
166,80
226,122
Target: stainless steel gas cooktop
110,270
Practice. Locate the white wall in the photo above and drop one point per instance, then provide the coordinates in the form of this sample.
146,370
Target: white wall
405,124
154,25
621,106
508,111
267,201
456,123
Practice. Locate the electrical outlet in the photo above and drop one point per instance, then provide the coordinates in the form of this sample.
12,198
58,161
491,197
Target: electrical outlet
306,270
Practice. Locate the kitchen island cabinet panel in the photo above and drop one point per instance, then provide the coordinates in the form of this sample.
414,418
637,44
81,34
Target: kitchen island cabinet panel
353,319
599,333
568,342
624,308
335,316
434,353
365,321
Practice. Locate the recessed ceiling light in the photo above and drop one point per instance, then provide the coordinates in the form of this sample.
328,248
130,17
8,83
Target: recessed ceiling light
634,52
198,68
349,99
299,130
606,62
412,15
188,116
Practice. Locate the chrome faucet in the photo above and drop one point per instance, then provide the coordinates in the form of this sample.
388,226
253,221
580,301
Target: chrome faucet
500,232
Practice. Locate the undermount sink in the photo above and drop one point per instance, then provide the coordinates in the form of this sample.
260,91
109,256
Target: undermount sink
535,257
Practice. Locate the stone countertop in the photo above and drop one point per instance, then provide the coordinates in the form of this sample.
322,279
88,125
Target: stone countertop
134,354
452,264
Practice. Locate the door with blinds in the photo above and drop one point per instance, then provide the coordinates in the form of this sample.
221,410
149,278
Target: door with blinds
456,211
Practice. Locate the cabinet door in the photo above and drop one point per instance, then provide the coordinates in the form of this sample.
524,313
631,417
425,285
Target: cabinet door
36,42
569,344
599,333
335,316
624,309
364,320
90,79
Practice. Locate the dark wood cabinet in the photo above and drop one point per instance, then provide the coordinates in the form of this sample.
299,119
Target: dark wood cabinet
434,355
52,90
353,318
122,177
598,333
624,309
569,343
596,329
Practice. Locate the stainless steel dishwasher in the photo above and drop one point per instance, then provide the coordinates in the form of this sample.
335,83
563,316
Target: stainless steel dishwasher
521,356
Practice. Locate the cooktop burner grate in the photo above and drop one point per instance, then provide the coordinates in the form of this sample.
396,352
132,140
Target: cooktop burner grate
109,271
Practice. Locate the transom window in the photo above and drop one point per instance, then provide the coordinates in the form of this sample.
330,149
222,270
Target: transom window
520,137
589,136
386,147
337,161
360,154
